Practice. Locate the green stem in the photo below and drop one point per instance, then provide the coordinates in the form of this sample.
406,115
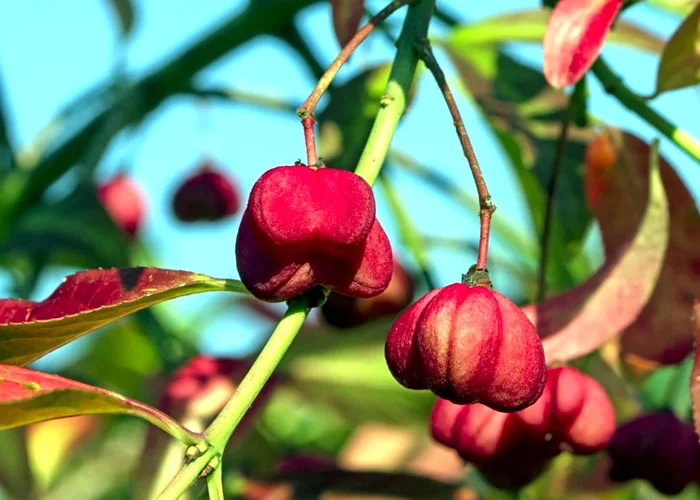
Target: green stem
409,234
225,423
215,484
393,103
614,85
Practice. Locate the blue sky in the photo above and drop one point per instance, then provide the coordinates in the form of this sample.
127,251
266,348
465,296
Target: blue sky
50,52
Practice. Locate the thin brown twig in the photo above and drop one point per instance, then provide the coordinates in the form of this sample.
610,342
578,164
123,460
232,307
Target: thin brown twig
308,123
308,107
425,52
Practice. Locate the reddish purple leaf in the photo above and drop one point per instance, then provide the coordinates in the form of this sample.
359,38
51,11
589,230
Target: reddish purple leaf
88,300
347,15
583,319
695,377
616,180
574,37
28,396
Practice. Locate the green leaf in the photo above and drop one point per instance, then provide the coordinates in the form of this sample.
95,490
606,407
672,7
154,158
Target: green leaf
56,230
124,10
678,7
583,319
88,300
349,374
28,396
526,114
7,155
695,373
530,26
680,61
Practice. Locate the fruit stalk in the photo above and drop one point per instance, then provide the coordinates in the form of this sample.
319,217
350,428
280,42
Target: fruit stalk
574,101
425,52
220,430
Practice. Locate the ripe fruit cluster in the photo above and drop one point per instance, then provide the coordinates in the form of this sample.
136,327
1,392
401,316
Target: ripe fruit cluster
657,447
468,344
342,311
307,226
511,449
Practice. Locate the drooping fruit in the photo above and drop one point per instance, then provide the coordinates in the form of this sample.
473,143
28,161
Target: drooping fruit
511,449
306,226
342,311
468,344
207,195
123,200
574,38
657,447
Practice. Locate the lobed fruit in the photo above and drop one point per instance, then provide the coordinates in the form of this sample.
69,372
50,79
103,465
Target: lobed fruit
511,449
304,227
207,195
468,344
657,447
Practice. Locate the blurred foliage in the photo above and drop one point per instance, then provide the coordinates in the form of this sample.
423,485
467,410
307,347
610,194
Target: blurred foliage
335,388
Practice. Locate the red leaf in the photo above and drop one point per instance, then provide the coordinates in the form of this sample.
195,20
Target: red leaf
28,396
88,300
581,320
574,37
661,333
695,376
347,15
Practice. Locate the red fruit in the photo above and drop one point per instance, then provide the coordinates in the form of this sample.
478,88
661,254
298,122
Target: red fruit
574,413
207,195
123,200
574,38
342,311
305,227
657,447
202,386
468,344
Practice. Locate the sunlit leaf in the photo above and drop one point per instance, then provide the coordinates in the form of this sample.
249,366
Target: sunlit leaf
679,7
88,300
28,396
695,376
347,15
583,319
531,26
574,38
124,10
526,115
617,162
680,62
324,368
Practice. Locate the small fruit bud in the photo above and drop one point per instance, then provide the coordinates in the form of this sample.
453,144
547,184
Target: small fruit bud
123,200
207,195
468,344
305,227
